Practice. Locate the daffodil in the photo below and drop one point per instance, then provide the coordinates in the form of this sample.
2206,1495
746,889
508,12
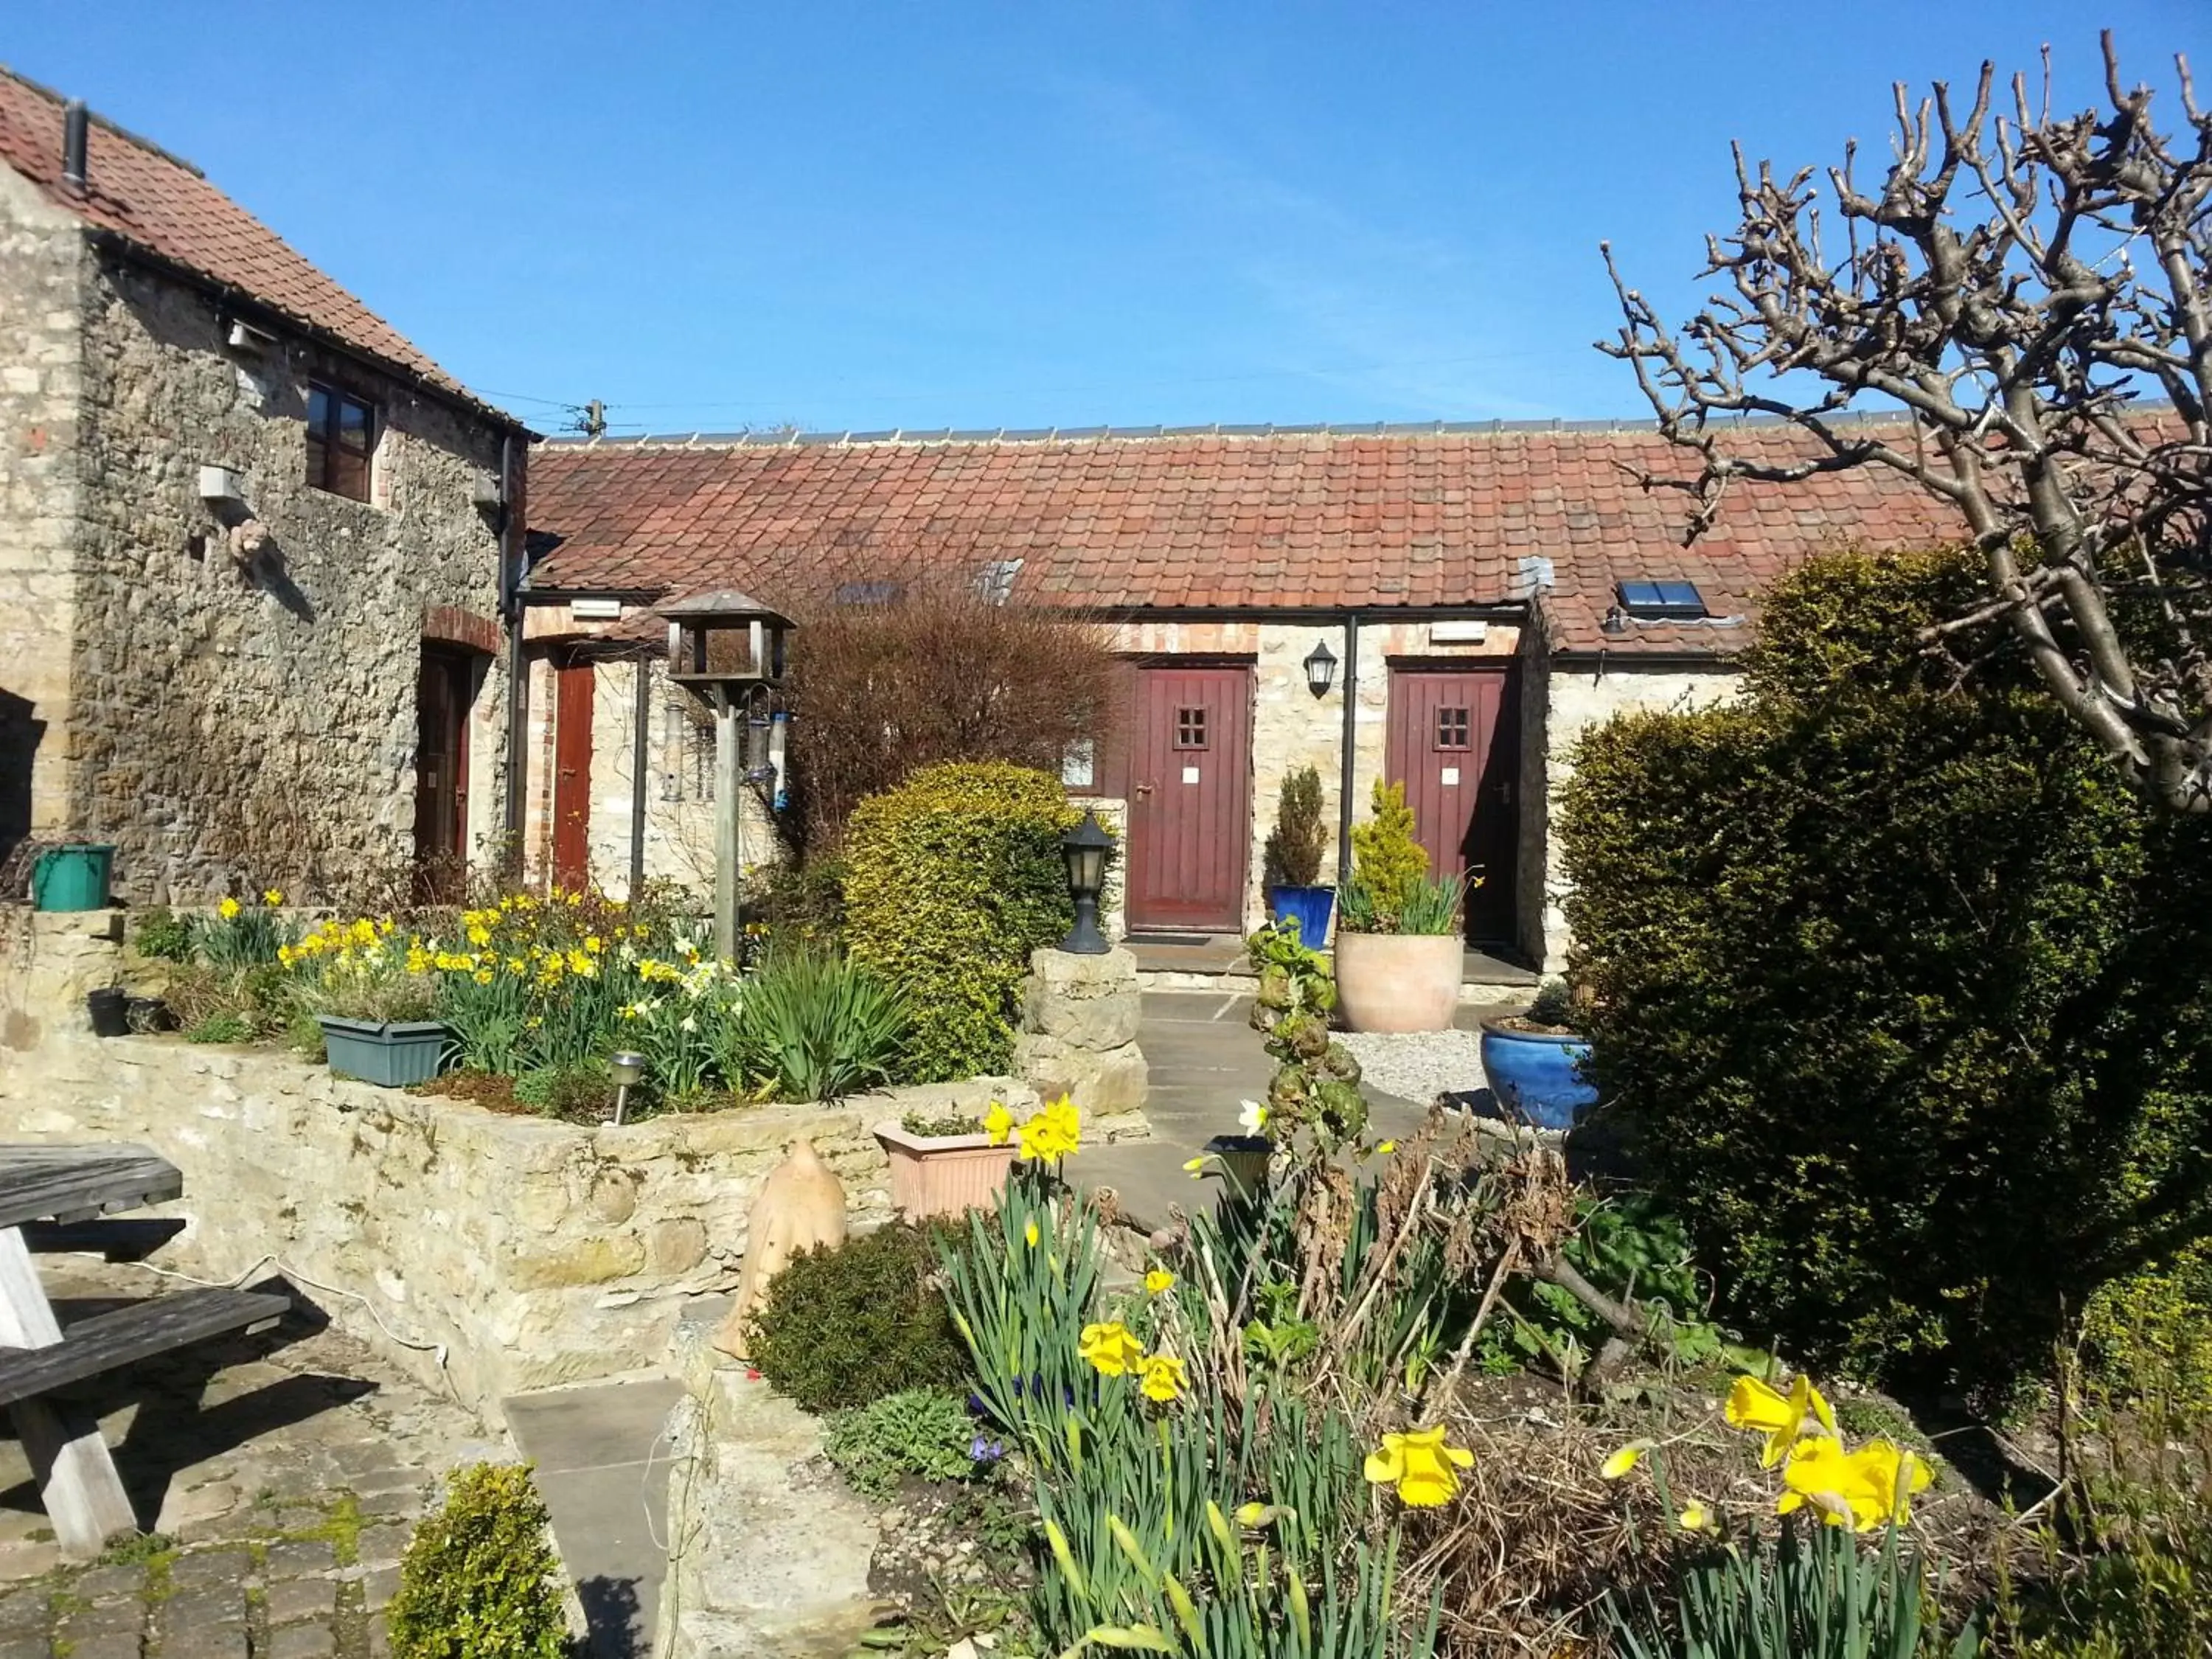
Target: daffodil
1425,1470
1194,1167
998,1123
1695,1516
228,908
1158,1282
1052,1134
1253,1118
1164,1379
1031,1234
1864,1490
272,897
1754,1406
1111,1348
1251,1514
1624,1460
1386,1147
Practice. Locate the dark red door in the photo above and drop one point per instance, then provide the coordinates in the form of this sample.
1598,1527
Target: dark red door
1190,798
442,689
1454,744
571,776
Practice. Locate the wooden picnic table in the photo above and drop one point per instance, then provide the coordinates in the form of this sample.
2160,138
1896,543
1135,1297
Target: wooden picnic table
44,1188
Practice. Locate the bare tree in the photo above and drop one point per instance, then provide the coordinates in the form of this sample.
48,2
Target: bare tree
2022,292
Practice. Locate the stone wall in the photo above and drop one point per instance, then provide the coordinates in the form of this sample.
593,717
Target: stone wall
527,1253
43,270
1079,1038
1578,697
236,721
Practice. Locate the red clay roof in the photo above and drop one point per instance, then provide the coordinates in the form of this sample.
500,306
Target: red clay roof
168,208
1287,520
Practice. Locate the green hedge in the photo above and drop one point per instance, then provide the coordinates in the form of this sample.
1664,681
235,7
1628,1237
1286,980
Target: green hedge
952,879
1906,995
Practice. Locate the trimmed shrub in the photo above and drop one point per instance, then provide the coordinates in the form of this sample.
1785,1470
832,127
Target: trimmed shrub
845,1327
952,880
1906,994
479,1580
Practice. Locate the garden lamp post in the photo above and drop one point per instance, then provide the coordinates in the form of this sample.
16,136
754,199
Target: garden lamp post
730,649
1085,847
627,1067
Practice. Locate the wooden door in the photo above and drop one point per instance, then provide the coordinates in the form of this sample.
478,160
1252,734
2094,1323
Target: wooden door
572,775
1454,741
442,689
1190,798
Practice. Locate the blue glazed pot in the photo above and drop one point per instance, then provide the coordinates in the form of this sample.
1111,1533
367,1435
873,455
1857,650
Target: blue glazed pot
1309,907
1537,1075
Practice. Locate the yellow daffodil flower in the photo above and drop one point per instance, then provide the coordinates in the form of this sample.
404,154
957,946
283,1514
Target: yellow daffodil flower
1158,1282
1251,1514
479,935
998,1123
1864,1489
272,897
284,955
1194,1167
1386,1147
1695,1516
1052,1134
228,908
1111,1350
1031,1233
1624,1460
1164,1379
1425,1470
1754,1406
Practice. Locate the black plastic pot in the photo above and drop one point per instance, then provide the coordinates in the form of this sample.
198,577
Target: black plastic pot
148,1014
111,1011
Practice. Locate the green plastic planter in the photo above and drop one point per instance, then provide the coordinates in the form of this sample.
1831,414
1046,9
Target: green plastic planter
391,1054
72,877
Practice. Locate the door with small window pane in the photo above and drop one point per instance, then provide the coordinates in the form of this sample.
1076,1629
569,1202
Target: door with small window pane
1190,798
1455,742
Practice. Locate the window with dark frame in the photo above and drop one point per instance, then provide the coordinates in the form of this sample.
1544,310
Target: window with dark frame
1190,728
340,441
1451,728
1670,601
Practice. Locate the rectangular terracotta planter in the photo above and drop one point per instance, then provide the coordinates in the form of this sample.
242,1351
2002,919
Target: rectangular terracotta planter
943,1174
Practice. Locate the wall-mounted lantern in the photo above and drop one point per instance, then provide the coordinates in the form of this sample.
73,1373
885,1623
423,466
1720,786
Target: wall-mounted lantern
1321,669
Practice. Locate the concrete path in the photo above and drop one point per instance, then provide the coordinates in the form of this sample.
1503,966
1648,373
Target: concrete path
1206,1060
604,1470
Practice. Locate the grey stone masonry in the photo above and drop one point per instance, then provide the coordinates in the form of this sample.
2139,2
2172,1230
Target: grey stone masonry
1079,1036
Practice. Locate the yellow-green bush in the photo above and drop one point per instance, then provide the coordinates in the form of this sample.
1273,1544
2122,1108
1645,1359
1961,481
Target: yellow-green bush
479,1580
2149,1335
952,879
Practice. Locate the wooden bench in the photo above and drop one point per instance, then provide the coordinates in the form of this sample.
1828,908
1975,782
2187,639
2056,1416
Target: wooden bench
52,1193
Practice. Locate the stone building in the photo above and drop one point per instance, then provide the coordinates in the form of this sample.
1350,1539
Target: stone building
252,541
1448,607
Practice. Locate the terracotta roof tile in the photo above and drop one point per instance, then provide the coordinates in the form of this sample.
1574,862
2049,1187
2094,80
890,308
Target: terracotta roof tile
167,208
1132,524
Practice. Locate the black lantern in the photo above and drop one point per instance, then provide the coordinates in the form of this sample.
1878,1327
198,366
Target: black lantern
1321,669
1085,847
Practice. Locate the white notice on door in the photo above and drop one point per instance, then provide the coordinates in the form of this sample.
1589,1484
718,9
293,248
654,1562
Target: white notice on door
1451,775
1190,774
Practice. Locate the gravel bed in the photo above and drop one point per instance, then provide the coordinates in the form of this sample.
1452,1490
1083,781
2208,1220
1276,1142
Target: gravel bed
1418,1065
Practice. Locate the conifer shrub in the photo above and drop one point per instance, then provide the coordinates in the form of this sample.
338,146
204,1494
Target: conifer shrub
952,879
1908,999
842,1327
480,1580
1293,853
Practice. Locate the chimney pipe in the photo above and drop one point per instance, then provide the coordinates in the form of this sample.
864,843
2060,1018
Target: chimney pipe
75,124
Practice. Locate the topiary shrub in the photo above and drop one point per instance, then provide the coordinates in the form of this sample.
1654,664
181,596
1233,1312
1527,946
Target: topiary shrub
1906,995
952,880
1389,866
1293,853
479,1580
842,1327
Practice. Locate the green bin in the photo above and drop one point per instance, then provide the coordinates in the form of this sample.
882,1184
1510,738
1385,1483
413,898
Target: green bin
72,877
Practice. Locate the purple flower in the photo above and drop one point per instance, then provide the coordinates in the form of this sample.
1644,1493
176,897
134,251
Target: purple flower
983,1450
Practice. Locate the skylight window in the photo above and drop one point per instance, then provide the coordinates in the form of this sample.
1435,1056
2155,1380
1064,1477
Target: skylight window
1672,601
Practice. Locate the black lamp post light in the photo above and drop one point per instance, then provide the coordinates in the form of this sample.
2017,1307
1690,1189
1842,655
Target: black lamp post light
1321,669
1085,847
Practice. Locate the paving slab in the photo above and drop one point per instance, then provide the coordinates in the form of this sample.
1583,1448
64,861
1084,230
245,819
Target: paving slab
603,1465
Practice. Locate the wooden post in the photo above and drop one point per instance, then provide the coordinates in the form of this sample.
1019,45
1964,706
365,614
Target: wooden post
729,831
84,1496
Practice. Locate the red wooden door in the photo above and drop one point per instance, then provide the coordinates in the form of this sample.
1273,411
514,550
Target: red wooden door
441,772
1190,798
1455,742
571,776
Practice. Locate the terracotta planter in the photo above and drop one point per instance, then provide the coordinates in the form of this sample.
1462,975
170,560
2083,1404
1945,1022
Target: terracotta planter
943,1174
1398,981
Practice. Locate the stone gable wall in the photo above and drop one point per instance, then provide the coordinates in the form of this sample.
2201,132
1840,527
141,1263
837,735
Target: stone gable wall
235,721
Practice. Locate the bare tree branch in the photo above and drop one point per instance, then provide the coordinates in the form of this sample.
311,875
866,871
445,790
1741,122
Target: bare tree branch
2030,296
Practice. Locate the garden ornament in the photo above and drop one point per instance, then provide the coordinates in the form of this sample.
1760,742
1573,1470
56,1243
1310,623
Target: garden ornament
801,1206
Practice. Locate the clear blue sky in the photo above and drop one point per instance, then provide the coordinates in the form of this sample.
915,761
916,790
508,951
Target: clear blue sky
984,214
